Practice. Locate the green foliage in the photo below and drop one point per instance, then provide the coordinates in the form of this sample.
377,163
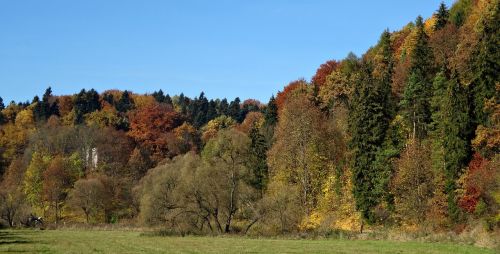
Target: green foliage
415,103
258,159
85,102
441,16
456,144
271,113
368,124
125,103
33,180
486,61
459,11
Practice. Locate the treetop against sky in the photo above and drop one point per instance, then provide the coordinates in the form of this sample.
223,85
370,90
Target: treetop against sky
249,49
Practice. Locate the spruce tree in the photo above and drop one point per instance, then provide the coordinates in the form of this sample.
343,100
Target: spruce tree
159,96
271,113
368,125
85,102
2,118
125,103
441,16
415,103
212,110
258,159
487,62
235,110
382,164
456,145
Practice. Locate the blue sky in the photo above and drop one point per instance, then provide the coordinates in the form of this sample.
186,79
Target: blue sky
249,49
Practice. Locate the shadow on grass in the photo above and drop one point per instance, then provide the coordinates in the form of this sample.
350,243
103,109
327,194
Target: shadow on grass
12,237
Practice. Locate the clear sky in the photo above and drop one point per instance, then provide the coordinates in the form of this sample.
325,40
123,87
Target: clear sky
227,48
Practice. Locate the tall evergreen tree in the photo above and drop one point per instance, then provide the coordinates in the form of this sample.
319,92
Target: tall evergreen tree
159,96
235,110
85,102
368,125
199,109
417,93
456,145
168,100
441,16
271,113
258,159
125,103
384,70
487,62
2,118
212,110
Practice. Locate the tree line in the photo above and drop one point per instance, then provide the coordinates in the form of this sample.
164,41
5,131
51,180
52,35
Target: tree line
405,136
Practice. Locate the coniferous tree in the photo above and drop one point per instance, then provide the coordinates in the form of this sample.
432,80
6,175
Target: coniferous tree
487,62
382,80
235,110
212,110
85,102
441,15
2,107
168,100
223,107
258,159
271,113
109,98
368,125
159,96
125,103
456,142
417,93
199,109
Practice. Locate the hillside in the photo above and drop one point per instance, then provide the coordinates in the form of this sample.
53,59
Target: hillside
404,137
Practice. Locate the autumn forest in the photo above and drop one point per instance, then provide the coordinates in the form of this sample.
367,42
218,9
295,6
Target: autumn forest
405,137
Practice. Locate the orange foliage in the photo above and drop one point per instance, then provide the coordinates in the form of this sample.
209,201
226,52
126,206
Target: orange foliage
150,127
252,118
283,96
65,104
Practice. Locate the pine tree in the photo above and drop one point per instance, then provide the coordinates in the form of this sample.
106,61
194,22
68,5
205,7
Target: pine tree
441,16
368,125
2,106
417,93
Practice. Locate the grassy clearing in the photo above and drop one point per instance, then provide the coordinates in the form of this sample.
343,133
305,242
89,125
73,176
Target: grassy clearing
66,241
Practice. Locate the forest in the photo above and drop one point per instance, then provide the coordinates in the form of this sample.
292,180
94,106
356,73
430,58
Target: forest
406,136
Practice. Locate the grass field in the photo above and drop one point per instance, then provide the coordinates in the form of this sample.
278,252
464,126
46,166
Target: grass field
66,241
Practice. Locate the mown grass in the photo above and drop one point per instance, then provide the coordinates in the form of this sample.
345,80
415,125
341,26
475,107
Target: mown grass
81,241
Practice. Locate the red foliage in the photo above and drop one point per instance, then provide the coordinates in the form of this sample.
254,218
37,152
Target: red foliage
323,71
476,181
281,97
150,127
